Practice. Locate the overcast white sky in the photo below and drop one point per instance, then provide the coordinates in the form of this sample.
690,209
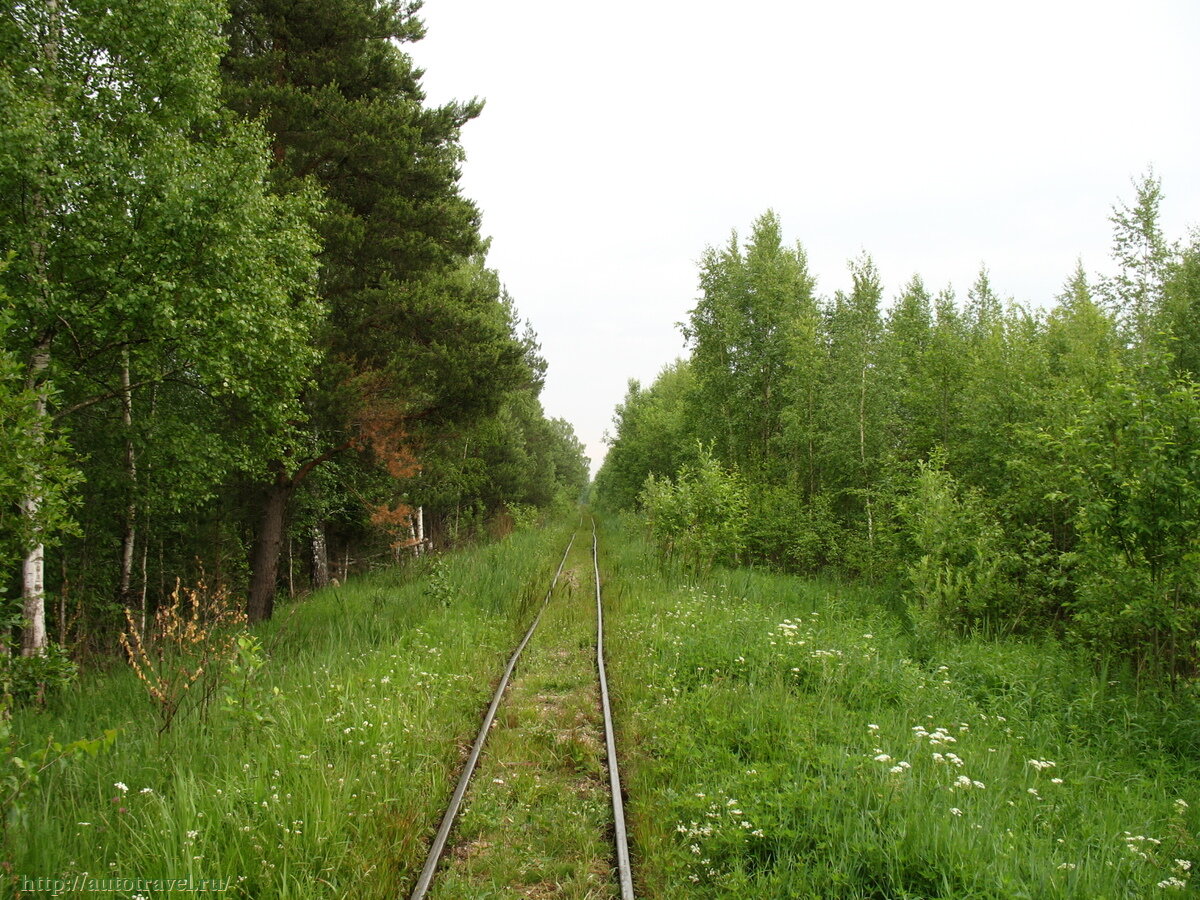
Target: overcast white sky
620,139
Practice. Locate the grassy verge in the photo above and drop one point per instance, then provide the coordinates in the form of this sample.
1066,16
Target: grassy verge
326,775
537,819
780,742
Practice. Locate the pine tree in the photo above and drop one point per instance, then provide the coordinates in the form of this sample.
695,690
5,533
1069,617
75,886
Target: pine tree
416,331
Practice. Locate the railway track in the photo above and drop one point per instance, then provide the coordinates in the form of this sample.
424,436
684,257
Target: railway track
620,849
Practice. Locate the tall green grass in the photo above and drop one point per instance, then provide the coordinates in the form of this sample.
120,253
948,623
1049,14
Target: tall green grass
327,775
781,740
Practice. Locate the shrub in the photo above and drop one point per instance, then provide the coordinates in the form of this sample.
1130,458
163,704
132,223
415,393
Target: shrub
33,678
959,580
194,639
700,517
792,532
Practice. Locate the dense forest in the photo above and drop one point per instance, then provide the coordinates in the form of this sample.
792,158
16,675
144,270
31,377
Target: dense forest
249,333
878,593
1003,469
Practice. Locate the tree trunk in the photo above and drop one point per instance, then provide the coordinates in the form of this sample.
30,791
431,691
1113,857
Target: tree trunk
265,566
862,455
33,570
33,595
63,590
145,583
129,532
320,557
269,541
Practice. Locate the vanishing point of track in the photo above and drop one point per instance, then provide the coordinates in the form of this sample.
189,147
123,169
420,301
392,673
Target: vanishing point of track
436,849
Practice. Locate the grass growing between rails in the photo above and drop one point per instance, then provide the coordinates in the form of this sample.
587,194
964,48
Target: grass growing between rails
325,774
779,740
538,818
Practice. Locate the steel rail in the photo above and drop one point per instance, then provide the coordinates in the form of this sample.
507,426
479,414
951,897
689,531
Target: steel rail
443,833
620,836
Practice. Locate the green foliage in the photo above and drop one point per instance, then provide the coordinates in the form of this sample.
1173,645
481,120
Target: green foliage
243,666
653,435
438,587
699,517
524,515
1180,319
236,249
958,582
29,463
752,336
32,679
1132,464
1020,471
1135,293
161,294
793,532
424,362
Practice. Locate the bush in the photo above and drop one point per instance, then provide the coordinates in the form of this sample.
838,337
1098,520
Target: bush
959,580
700,517
183,659
33,678
792,532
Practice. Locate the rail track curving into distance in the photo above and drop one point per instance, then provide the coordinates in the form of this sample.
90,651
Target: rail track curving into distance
620,838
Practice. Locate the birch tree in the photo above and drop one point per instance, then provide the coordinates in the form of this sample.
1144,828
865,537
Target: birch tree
145,246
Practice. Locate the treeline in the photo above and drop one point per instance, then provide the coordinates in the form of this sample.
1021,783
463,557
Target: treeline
249,335
1008,469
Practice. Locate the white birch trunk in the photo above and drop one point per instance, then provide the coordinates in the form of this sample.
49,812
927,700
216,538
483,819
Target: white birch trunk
33,569
33,592
129,537
862,454
320,558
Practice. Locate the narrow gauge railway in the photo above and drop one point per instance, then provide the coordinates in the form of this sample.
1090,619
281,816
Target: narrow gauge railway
437,848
